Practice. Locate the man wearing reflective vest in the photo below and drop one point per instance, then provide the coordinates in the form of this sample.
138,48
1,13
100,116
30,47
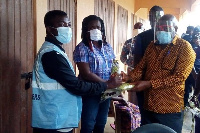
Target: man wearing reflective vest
57,92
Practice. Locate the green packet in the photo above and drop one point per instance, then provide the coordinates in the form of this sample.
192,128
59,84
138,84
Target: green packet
125,86
116,92
115,67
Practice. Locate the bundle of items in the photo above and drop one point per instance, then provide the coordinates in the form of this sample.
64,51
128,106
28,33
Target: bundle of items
117,91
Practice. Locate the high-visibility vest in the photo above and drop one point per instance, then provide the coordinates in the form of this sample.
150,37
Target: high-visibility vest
53,106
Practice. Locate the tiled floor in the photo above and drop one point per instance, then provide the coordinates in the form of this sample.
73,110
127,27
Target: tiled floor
187,125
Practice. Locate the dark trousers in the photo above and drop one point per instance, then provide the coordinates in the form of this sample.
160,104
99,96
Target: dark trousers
39,130
172,120
140,99
197,122
94,114
197,125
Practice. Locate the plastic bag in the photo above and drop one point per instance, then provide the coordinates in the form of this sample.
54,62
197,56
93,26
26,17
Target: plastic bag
117,91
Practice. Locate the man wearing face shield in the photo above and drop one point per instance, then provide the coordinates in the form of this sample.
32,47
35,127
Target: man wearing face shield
161,74
56,98
142,41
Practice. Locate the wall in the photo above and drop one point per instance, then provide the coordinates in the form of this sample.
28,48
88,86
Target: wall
139,7
183,23
195,10
143,14
189,17
128,5
163,3
84,8
41,9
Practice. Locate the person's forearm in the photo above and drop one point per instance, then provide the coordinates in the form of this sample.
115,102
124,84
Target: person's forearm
79,87
92,77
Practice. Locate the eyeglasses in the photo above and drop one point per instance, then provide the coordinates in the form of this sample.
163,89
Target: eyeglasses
164,28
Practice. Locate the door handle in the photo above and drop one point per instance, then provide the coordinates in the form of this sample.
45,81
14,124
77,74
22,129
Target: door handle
27,77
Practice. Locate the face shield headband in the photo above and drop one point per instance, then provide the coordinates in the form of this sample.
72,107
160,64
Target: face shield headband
164,32
154,17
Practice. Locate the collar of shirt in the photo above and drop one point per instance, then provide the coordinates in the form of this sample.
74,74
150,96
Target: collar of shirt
102,47
172,43
174,40
54,41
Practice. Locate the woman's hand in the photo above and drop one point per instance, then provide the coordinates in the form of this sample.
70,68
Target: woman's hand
114,81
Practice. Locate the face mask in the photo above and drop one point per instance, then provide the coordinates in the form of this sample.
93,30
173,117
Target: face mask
64,34
95,35
164,37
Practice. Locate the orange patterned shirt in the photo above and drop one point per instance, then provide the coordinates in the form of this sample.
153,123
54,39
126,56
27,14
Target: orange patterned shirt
167,69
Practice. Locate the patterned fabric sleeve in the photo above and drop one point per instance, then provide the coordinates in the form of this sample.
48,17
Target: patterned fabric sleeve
182,70
137,73
80,53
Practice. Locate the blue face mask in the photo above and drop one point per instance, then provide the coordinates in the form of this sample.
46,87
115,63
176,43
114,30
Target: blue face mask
64,34
164,37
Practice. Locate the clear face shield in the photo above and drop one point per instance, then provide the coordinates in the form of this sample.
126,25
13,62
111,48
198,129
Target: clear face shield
164,32
154,17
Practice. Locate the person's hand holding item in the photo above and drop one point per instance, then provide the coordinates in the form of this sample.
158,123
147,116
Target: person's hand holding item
114,81
125,77
129,69
117,81
110,92
141,85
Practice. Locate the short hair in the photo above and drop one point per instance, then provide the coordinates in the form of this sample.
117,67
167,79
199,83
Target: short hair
49,16
169,17
190,28
156,8
137,25
172,18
